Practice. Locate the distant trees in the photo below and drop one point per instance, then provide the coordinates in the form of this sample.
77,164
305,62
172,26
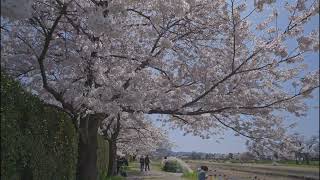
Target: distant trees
246,156
207,156
298,148
307,149
230,156
195,155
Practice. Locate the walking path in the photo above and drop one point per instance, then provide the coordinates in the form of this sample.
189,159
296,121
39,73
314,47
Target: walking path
155,174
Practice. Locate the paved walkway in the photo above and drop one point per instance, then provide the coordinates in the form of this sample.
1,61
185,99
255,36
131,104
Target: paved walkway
153,174
156,175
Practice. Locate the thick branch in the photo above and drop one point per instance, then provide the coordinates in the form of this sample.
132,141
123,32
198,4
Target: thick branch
223,109
58,96
234,129
221,81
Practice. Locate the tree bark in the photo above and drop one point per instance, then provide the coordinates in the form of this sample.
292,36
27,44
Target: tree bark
112,166
25,171
112,139
87,149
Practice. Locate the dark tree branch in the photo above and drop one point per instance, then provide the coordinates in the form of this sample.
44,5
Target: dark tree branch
234,129
58,96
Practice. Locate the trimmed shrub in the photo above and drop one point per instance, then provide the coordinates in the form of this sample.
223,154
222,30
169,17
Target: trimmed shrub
175,165
172,166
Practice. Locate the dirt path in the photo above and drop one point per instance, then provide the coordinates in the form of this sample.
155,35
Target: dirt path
155,174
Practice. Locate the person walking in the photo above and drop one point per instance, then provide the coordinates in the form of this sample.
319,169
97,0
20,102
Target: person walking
147,162
202,173
141,163
118,164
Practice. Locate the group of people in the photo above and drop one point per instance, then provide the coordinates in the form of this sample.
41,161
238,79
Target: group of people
121,162
144,163
145,166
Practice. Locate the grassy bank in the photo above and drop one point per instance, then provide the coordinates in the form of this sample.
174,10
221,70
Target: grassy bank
190,176
262,169
291,163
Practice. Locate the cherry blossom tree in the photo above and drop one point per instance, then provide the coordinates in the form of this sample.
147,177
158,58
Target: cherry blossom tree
282,149
142,137
131,134
204,64
293,146
306,147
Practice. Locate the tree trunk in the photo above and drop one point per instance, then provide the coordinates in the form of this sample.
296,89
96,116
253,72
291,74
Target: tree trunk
87,149
112,166
25,171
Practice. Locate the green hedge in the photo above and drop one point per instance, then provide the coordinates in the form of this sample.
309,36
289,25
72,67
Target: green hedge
103,158
37,142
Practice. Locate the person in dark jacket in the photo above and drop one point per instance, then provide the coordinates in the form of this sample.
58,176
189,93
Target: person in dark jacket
125,161
202,173
141,163
121,166
146,162
118,164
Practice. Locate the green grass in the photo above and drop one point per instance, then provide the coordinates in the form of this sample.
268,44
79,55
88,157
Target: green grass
292,162
115,178
156,165
281,162
190,176
133,168
301,165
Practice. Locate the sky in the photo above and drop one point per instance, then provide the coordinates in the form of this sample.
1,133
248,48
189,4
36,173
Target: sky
307,126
